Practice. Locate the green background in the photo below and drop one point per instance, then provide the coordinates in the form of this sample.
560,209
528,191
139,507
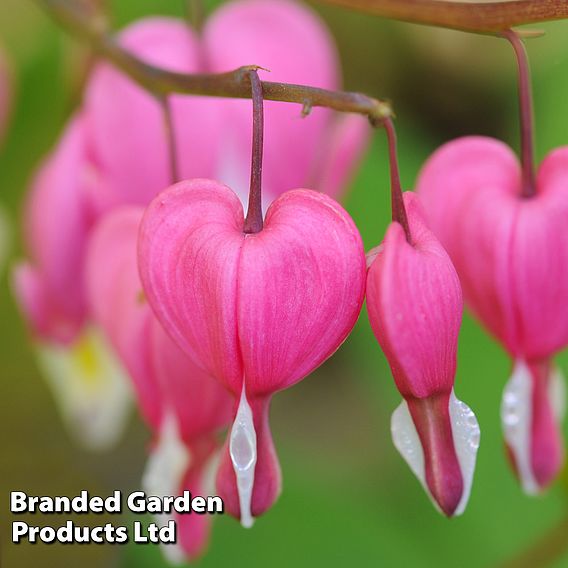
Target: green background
348,497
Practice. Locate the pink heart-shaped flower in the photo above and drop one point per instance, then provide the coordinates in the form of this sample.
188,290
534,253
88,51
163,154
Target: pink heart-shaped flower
257,311
511,254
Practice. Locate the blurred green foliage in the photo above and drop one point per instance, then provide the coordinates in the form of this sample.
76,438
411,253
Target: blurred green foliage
348,497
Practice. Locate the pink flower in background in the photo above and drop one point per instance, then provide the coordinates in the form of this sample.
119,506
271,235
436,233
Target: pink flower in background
184,407
57,221
511,254
213,135
257,311
414,302
115,152
87,381
285,37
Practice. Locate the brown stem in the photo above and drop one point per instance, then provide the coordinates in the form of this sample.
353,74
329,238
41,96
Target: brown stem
397,202
548,550
483,17
526,114
234,84
253,221
195,14
171,139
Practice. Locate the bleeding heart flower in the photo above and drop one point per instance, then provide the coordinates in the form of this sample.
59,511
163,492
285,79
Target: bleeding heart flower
85,378
49,286
258,311
414,301
512,257
504,228
415,306
184,407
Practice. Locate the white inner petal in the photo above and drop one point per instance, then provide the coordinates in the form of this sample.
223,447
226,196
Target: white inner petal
372,254
242,448
164,474
466,436
516,421
90,387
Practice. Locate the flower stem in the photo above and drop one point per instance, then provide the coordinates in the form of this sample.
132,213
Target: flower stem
481,17
526,115
253,221
397,202
171,139
234,84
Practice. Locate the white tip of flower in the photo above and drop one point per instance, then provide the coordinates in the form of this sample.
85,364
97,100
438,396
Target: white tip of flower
516,421
242,448
466,436
168,461
516,418
164,473
173,554
90,387
372,254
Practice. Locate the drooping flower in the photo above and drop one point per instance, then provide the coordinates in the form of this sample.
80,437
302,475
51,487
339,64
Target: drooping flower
86,379
184,407
414,301
258,311
505,231
512,258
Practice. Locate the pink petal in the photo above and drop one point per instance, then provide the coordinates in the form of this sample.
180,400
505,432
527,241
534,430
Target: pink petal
57,221
444,479
190,242
295,45
509,251
547,451
194,529
201,404
127,124
301,287
415,307
469,189
539,263
117,303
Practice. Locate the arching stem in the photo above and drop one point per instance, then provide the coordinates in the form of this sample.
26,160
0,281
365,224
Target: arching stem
171,139
253,221
526,114
397,203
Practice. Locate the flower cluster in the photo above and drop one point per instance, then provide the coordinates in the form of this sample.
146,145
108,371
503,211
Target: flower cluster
137,281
